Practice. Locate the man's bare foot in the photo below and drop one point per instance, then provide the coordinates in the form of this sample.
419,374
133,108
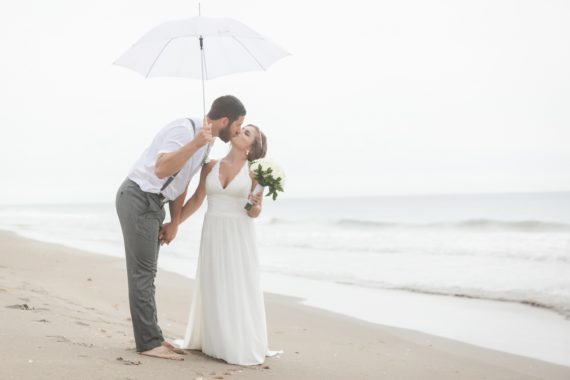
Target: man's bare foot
172,348
163,353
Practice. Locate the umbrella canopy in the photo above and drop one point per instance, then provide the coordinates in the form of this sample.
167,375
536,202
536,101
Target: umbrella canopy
200,47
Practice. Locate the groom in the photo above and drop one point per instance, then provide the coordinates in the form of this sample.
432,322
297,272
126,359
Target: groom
161,175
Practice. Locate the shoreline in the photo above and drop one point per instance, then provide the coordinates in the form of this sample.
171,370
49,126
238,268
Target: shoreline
558,310
546,330
76,325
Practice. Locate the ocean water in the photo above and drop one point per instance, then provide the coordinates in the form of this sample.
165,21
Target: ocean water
513,247
505,247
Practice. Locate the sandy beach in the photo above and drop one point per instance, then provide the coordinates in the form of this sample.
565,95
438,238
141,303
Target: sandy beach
64,314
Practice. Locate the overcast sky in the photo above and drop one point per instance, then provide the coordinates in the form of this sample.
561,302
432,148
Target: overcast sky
398,97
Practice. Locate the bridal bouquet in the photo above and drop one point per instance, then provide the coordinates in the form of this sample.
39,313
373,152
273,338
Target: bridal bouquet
267,174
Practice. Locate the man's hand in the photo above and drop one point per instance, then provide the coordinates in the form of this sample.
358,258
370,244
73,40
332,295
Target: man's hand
204,135
167,233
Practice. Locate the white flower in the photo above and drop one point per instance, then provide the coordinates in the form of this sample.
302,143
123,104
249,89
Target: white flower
276,171
264,163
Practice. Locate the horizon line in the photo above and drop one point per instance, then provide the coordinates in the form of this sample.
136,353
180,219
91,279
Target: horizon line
324,197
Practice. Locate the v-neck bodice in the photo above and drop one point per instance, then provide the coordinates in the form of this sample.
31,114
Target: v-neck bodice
232,198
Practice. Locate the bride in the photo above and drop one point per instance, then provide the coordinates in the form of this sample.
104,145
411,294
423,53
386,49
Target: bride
227,316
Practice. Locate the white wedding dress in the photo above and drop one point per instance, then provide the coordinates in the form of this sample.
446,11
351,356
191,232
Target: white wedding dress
227,316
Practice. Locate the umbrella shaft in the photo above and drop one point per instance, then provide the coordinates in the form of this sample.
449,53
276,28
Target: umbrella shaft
203,85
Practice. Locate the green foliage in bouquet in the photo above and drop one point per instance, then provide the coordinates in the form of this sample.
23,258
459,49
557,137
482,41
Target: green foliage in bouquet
265,179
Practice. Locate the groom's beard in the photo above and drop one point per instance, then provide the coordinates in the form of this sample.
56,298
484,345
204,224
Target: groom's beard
225,134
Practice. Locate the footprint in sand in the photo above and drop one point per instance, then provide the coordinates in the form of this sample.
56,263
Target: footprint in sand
23,306
62,339
128,362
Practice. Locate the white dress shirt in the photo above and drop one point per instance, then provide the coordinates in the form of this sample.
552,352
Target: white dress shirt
171,138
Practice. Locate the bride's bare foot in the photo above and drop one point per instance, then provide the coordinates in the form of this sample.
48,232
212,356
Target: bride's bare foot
173,349
163,353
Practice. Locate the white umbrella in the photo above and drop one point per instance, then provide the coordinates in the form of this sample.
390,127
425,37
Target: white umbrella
200,47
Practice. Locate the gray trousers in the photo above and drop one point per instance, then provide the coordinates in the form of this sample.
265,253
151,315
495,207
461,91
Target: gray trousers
141,215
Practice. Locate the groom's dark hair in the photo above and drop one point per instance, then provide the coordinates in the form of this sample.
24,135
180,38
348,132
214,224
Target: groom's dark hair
227,106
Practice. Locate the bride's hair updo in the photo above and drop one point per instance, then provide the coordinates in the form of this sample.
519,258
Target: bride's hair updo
258,148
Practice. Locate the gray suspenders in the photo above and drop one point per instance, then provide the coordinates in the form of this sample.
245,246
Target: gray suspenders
171,178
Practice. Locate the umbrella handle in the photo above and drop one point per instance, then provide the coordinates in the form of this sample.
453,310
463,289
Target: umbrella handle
202,62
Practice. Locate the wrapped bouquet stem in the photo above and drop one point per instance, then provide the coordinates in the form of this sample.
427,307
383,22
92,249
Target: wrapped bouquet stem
267,174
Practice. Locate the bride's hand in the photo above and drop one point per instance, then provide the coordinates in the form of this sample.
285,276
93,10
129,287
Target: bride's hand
256,199
256,205
167,233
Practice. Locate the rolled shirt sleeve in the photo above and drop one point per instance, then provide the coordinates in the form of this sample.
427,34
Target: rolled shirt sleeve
175,139
170,139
